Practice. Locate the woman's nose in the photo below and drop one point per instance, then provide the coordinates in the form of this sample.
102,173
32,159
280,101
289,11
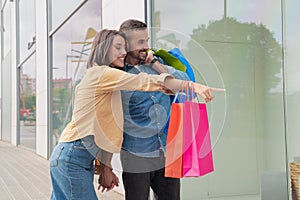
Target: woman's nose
123,51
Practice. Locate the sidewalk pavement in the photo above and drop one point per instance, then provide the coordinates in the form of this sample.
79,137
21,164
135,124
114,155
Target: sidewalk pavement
24,175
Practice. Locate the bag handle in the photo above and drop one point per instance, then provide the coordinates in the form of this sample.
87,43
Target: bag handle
189,91
182,90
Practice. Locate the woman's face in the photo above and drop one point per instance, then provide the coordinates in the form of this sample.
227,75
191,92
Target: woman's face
117,52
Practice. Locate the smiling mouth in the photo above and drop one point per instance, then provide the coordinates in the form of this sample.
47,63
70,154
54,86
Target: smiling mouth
121,59
144,53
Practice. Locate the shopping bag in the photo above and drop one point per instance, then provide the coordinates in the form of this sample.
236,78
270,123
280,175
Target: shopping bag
197,153
170,59
179,55
174,147
188,149
97,166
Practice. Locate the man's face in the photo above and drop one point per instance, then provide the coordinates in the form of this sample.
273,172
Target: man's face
137,44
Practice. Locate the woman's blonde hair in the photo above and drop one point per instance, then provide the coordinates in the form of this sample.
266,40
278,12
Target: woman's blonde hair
101,46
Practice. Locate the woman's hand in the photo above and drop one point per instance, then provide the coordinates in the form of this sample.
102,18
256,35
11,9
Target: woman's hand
107,179
205,91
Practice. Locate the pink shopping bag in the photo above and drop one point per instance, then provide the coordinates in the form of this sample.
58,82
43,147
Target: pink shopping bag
197,155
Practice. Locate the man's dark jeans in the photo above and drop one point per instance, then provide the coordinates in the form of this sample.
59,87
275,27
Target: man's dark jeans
139,174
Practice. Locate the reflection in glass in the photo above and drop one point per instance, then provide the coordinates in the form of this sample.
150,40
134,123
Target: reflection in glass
26,27
71,47
61,10
27,103
242,50
293,82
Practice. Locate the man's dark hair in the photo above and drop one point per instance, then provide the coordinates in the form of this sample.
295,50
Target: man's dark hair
132,24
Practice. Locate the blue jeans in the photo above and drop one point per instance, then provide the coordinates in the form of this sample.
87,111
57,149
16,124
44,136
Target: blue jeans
72,170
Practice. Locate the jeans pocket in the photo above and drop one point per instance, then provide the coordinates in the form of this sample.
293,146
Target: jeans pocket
55,155
83,154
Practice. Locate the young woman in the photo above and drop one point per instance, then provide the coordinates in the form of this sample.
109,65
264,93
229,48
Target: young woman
96,128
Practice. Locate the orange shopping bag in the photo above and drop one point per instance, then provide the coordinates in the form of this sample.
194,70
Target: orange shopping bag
174,147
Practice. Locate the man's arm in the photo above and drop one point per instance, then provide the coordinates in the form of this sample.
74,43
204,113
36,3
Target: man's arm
156,65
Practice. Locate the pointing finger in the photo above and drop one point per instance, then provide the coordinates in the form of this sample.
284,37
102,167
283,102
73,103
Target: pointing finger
218,89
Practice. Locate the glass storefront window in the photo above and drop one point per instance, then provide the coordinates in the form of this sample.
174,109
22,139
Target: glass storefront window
292,78
27,112
6,72
26,28
230,46
71,47
60,10
114,12
6,29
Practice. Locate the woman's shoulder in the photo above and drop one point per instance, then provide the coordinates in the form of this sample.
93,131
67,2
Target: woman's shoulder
103,72
97,68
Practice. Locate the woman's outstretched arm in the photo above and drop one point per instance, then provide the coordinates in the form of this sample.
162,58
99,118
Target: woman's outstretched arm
176,85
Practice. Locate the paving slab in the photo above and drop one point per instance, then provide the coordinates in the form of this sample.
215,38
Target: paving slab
24,175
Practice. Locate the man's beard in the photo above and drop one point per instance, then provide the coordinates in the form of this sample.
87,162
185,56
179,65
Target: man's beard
137,55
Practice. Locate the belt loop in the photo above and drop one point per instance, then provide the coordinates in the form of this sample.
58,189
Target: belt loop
78,142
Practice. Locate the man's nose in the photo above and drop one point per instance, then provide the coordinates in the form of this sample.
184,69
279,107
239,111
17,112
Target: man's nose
146,46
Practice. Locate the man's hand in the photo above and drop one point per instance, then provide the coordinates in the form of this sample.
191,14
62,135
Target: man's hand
149,57
107,179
